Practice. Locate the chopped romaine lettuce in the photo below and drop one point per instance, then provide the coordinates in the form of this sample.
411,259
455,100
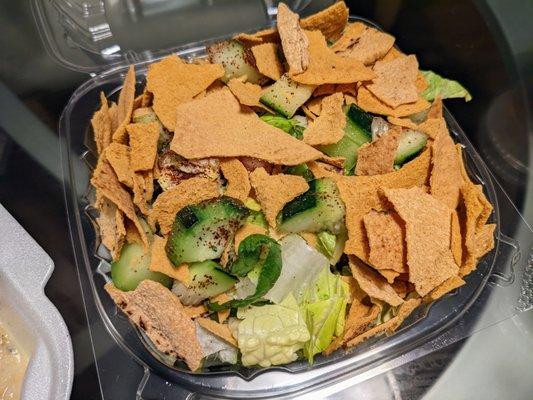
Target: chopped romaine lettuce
324,310
445,88
290,125
301,266
215,347
326,243
271,334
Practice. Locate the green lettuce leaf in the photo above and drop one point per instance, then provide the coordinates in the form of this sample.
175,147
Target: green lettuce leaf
446,88
289,125
324,310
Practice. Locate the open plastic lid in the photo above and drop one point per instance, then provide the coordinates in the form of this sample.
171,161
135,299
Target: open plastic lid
97,35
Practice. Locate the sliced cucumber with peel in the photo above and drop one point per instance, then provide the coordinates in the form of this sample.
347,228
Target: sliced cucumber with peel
286,96
318,209
133,267
356,133
236,60
200,232
206,280
411,143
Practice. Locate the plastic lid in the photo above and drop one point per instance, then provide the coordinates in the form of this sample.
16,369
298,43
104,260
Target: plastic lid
96,35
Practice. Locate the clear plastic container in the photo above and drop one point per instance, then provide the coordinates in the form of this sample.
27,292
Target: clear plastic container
505,275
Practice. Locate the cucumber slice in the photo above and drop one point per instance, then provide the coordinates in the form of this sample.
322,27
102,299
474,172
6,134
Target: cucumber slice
361,118
411,143
144,115
285,96
206,280
132,267
356,133
318,209
201,232
236,60
301,170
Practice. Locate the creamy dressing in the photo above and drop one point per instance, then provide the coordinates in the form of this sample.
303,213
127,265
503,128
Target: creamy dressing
13,364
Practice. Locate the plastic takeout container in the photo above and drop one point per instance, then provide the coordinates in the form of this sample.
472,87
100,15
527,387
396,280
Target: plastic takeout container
505,273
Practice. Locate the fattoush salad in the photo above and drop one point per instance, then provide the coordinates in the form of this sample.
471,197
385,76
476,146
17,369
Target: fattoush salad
294,193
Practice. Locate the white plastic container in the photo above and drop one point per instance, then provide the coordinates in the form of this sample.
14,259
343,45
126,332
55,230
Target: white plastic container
30,316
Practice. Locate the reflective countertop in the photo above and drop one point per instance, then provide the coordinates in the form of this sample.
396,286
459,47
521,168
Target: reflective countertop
486,45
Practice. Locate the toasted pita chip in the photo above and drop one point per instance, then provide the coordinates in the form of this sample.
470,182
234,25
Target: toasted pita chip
435,111
355,293
446,178
216,126
274,191
246,230
392,54
267,60
102,126
111,226
403,122
337,162
322,170
394,84
293,40
330,88
456,240
220,299
377,157
386,240
194,312
327,67
421,83
159,262
330,21
401,288
156,311
125,106
360,317
349,37
315,106
147,98
187,192
264,36
236,174
113,114
143,190
174,82
247,93
143,143
220,330
427,225
404,311
372,283
310,238
387,327
433,127
132,234
106,181
484,240
370,46
447,286
328,128
389,275
118,155
360,194
476,210
486,210
370,103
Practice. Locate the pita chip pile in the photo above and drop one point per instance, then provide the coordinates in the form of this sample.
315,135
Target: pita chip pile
317,128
